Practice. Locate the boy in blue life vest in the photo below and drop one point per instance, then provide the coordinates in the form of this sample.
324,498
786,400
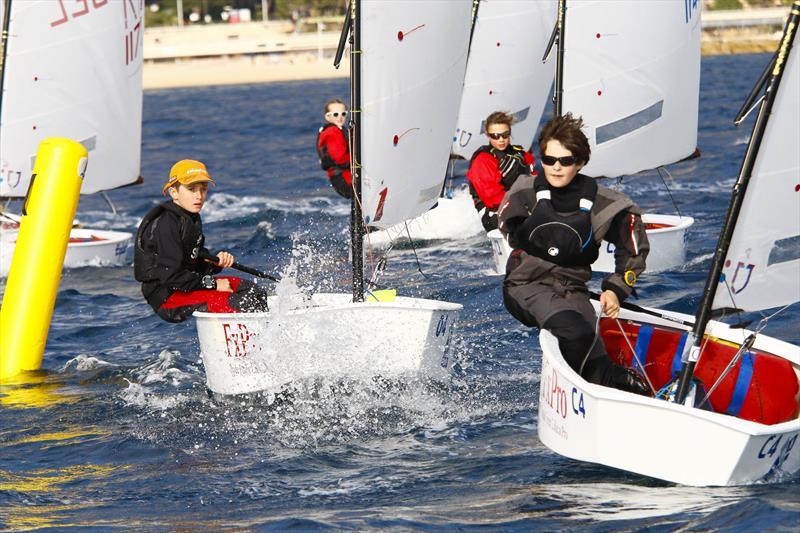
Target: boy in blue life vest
175,269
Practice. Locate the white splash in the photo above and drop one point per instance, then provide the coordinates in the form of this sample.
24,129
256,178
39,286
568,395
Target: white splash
83,363
162,370
141,396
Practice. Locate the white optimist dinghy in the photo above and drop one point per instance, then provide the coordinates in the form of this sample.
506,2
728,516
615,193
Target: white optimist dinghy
631,69
745,427
665,234
74,73
500,75
408,59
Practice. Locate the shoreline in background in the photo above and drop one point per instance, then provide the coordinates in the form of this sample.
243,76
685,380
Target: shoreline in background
233,54
240,71
269,69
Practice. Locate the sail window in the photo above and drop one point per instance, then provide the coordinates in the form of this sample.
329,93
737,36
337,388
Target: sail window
430,193
89,143
784,250
633,122
519,116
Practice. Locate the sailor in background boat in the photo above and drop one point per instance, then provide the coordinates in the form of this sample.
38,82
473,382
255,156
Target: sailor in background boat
173,265
333,149
555,224
495,167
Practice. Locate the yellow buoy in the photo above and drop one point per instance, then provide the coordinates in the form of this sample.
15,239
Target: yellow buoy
35,272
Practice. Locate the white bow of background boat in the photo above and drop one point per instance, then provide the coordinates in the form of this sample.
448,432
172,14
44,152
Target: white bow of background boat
665,234
733,417
402,82
73,73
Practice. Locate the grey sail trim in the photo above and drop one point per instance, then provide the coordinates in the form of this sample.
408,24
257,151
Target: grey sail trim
784,250
426,195
623,126
519,116
89,143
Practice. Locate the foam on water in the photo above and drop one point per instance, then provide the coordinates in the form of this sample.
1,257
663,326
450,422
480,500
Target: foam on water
225,206
84,363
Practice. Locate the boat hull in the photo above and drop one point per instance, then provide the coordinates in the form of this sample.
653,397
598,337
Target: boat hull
330,338
666,235
660,439
452,218
87,247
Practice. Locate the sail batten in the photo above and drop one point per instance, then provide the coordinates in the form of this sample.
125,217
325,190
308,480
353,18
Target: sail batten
77,74
636,85
413,57
504,72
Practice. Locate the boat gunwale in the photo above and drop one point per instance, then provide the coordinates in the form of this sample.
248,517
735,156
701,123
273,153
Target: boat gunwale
439,306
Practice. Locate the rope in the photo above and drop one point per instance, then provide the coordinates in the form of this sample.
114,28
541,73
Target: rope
634,358
745,346
594,341
672,198
414,249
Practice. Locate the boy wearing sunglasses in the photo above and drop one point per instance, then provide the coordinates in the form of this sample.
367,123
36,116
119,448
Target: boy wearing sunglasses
170,259
495,167
333,149
555,224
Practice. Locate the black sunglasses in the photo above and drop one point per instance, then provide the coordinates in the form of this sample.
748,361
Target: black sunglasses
566,161
501,135
336,113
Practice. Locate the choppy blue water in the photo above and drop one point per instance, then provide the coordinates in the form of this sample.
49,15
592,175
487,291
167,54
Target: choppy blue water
120,434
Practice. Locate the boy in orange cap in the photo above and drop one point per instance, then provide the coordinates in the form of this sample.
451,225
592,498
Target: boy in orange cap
170,259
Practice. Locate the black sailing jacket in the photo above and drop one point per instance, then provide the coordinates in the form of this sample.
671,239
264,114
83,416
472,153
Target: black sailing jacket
168,244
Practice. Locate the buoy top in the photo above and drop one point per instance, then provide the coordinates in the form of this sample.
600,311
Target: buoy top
187,171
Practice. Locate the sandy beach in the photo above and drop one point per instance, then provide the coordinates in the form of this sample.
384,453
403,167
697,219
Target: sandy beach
228,54
240,70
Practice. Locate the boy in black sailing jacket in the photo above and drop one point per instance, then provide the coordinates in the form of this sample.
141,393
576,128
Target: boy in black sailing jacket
555,224
171,262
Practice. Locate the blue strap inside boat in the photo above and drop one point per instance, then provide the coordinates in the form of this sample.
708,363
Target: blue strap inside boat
742,384
676,359
642,344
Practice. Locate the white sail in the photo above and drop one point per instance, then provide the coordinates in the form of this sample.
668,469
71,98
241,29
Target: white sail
74,70
632,71
414,58
505,71
762,268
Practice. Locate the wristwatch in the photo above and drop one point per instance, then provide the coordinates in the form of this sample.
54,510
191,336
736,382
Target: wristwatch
208,282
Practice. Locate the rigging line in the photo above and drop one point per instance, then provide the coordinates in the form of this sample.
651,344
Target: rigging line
109,202
756,104
634,358
736,310
594,341
353,166
745,346
414,249
766,319
373,281
380,267
674,203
